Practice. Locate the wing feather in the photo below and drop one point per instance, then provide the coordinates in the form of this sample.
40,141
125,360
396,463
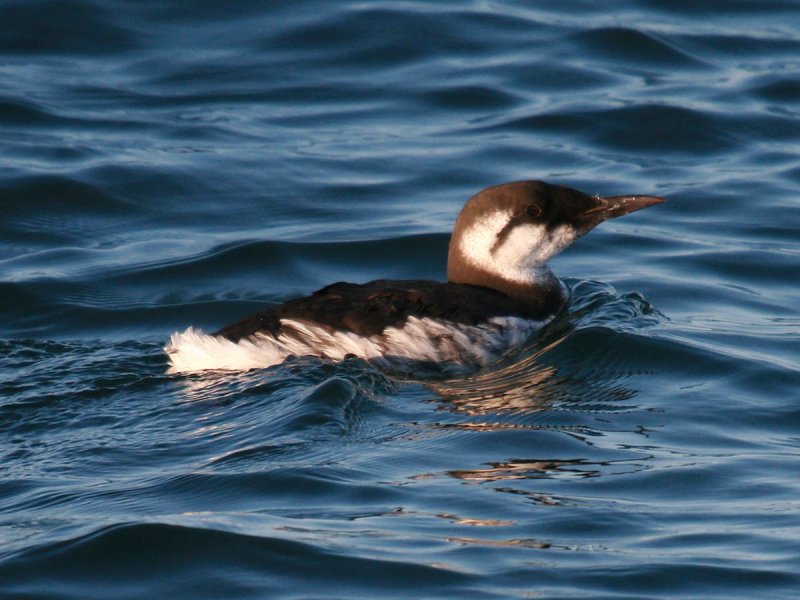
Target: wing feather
367,309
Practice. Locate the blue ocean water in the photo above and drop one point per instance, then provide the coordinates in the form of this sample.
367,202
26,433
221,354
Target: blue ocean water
167,164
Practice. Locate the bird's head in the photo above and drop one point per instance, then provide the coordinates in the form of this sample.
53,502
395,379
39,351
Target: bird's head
510,231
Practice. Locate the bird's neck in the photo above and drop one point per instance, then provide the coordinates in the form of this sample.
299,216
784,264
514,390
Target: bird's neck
497,251
536,287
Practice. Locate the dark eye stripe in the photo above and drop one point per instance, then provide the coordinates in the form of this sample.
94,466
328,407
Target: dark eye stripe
505,232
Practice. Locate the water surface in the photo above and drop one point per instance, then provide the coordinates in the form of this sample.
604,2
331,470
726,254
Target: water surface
183,163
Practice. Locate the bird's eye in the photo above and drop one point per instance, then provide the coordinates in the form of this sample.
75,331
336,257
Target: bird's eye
533,210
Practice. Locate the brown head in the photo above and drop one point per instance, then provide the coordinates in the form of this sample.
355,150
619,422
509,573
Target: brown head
505,234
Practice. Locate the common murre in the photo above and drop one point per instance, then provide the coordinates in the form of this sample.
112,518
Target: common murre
499,291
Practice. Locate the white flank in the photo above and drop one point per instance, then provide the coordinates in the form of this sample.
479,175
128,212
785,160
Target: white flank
455,346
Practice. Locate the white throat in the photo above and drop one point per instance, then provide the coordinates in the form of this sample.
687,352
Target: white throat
519,253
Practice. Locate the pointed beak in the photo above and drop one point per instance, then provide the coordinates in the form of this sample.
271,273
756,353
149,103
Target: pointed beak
611,207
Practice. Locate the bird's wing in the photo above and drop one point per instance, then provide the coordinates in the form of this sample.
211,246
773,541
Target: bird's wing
367,309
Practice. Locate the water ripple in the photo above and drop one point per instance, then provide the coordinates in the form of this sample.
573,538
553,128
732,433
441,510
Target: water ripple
167,164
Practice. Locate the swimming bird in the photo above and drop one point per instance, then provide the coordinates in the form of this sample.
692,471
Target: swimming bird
499,291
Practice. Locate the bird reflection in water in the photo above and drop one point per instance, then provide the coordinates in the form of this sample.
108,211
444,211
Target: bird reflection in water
528,469
518,387
535,383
